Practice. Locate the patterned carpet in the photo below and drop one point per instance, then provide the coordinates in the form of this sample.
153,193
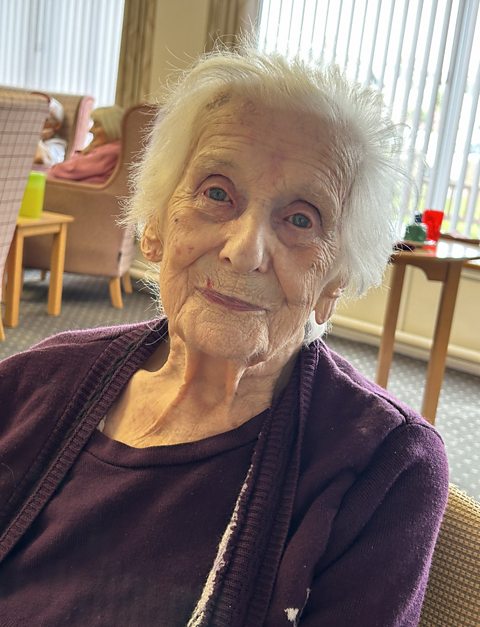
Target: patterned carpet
86,304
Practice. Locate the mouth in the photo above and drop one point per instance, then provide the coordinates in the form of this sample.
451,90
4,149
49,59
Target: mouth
229,302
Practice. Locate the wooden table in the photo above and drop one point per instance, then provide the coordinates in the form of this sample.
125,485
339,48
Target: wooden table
440,263
48,224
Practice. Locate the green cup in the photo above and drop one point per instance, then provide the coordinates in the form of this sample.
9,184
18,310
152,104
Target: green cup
32,203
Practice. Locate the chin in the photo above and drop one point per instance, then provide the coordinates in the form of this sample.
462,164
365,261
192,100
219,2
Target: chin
234,337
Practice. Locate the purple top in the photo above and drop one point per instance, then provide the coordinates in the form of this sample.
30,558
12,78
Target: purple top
90,559
338,500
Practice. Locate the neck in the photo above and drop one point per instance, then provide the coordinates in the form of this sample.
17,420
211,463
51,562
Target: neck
183,395
223,391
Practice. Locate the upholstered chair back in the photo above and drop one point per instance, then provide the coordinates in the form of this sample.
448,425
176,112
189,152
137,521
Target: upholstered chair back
76,123
21,121
453,591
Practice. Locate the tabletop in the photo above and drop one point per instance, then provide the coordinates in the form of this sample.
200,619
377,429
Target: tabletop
445,250
47,217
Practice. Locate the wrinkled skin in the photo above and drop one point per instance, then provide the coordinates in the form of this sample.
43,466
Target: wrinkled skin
247,252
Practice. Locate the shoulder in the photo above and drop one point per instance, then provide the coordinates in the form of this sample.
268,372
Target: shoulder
52,382
108,149
50,370
84,337
370,456
361,421
67,342
84,341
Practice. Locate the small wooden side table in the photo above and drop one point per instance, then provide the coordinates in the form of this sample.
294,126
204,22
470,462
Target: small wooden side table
49,223
440,263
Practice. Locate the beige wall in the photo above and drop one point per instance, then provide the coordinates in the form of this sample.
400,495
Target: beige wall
363,319
180,35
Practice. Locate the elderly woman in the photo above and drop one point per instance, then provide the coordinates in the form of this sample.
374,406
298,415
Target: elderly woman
219,466
51,148
95,163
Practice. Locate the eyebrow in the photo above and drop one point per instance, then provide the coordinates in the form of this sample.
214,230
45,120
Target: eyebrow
316,197
209,162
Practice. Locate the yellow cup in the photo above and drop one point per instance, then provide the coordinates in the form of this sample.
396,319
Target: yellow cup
32,203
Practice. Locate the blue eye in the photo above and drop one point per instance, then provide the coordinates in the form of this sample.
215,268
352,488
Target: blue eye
217,193
300,221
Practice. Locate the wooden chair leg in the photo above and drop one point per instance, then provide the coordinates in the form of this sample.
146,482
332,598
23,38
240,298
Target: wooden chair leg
116,292
13,288
127,283
4,283
2,332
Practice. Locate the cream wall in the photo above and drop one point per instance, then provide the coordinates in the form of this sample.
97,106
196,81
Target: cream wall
363,319
180,35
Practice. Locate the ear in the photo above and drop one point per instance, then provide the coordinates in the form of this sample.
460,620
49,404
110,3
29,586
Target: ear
151,244
328,299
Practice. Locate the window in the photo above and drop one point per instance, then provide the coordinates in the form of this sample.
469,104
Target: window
61,46
421,54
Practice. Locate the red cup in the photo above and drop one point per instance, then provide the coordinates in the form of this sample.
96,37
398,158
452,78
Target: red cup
432,218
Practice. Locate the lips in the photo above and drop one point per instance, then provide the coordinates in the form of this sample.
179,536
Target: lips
228,301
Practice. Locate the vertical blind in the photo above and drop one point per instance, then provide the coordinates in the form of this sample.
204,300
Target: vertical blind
66,46
425,58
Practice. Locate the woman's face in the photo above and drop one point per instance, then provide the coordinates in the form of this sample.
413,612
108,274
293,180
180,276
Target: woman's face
250,240
99,137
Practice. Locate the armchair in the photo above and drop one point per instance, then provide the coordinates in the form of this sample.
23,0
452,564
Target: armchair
96,244
453,590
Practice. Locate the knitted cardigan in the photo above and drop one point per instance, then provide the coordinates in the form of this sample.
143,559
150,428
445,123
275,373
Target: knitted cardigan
80,374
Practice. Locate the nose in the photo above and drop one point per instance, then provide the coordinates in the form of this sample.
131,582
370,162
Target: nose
247,244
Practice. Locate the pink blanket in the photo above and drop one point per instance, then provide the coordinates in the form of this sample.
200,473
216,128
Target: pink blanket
94,167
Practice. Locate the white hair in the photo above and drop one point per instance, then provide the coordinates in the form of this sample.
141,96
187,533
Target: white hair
367,229
55,109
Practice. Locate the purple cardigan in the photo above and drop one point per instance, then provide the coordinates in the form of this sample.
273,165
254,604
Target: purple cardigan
336,520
